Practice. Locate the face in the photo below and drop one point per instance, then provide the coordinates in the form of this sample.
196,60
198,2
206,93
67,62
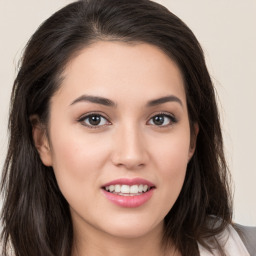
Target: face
119,138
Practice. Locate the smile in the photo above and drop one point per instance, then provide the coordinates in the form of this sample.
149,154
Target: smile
128,192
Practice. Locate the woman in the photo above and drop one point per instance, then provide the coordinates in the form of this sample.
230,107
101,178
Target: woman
116,146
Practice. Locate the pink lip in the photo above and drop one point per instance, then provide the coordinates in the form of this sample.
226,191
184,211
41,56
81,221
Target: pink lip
129,201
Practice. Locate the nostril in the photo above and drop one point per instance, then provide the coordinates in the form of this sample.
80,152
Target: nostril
128,161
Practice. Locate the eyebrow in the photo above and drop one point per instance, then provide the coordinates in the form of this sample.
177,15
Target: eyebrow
110,103
94,99
162,100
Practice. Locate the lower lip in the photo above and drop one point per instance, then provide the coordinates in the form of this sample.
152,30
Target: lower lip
128,201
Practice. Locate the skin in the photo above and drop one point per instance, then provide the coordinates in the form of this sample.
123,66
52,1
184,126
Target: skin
126,144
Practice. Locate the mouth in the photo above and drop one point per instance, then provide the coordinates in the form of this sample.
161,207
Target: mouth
127,190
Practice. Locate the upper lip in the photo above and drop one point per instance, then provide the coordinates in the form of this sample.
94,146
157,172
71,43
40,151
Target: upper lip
130,182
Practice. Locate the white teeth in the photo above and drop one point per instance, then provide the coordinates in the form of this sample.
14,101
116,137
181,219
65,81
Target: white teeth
111,188
145,188
134,189
117,188
126,189
140,188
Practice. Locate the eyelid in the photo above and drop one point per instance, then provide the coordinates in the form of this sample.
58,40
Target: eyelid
94,113
172,117
81,119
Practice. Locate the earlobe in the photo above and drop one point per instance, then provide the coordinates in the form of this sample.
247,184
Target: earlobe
193,139
41,141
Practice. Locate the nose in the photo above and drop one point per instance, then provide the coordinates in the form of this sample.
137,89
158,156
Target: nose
129,150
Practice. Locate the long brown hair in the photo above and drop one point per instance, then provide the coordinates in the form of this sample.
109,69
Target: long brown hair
36,218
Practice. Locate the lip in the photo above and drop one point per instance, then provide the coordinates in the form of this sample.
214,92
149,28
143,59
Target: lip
129,201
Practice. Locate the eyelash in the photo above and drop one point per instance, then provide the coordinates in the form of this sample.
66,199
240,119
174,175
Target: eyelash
87,116
171,117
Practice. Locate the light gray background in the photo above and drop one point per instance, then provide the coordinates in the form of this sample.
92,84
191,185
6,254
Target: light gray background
227,32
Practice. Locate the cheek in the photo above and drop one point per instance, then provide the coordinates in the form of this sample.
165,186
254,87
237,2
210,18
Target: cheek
173,153
74,150
76,169
171,158
172,166
77,160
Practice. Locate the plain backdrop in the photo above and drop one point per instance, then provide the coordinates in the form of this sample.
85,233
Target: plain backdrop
226,30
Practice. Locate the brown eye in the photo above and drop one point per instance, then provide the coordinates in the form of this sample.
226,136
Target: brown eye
158,120
162,120
94,120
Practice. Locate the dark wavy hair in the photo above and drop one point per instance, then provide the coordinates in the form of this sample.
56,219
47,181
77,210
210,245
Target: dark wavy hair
35,216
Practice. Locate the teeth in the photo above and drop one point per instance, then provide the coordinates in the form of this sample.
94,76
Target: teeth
126,189
134,189
117,188
140,188
145,188
111,188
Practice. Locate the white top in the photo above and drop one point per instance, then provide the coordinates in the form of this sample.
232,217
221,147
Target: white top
231,242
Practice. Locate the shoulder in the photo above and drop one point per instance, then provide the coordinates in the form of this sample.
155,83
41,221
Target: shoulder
248,236
232,243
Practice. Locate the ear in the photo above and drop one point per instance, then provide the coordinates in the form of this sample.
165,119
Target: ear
193,139
41,141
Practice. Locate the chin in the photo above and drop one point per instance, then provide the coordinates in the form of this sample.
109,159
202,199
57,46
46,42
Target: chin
133,229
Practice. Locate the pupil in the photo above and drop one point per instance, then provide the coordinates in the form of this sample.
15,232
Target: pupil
159,120
94,120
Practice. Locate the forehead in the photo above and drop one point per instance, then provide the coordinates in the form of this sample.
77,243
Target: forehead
107,68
